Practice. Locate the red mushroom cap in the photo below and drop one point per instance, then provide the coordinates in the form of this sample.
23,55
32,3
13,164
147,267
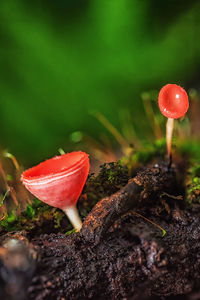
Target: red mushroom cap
173,101
58,181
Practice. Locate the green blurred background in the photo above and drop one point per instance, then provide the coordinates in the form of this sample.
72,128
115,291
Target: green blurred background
62,59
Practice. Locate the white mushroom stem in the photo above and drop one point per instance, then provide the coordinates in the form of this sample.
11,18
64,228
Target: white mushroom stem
73,215
169,132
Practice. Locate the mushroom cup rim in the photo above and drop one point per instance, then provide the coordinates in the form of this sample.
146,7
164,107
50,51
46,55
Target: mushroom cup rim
28,179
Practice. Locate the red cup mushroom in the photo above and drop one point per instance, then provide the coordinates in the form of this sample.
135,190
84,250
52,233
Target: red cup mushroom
59,182
173,103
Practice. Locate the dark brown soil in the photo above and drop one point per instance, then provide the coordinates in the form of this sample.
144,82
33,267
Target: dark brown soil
117,254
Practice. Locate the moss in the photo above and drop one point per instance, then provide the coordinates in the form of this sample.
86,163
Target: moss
57,219
111,177
189,148
71,231
35,214
29,213
193,183
146,154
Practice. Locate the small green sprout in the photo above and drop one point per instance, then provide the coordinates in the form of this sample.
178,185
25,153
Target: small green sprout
61,151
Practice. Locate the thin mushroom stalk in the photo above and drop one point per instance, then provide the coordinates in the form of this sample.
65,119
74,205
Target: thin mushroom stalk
73,215
169,134
59,182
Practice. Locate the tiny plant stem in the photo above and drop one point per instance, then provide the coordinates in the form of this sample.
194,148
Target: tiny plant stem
99,151
12,157
3,217
119,138
156,225
128,127
169,132
4,197
61,151
73,215
13,196
8,188
152,117
4,177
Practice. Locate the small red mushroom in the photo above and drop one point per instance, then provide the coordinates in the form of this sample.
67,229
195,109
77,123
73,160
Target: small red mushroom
173,103
59,182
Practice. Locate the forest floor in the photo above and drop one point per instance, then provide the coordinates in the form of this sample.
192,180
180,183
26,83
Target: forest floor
140,238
